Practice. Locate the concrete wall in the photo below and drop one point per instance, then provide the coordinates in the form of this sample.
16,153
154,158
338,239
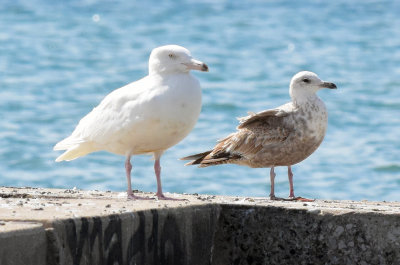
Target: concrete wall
54,227
274,235
22,243
158,236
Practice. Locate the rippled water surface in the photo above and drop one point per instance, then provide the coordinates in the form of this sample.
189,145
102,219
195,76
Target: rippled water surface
58,59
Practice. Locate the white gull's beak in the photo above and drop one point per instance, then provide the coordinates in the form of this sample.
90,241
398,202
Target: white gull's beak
196,65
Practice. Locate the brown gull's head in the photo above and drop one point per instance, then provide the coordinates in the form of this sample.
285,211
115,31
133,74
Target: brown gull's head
306,83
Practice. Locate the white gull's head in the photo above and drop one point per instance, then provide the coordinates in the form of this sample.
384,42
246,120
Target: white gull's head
306,83
171,59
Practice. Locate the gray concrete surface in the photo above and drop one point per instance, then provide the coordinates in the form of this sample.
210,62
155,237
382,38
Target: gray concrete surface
22,243
53,226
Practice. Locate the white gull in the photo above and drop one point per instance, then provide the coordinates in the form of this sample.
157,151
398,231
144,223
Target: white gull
144,117
283,136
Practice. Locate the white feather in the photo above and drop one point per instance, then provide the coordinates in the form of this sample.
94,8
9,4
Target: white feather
146,116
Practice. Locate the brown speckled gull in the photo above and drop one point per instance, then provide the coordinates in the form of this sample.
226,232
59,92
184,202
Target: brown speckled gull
283,136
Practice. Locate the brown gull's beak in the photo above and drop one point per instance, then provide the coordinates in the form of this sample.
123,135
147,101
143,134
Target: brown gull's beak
196,65
328,85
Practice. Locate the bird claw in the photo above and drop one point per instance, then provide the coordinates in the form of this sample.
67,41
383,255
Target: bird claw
274,198
165,198
300,199
134,197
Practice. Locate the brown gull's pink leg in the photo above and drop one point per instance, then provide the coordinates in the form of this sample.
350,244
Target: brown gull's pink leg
272,193
128,169
290,176
291,189
272,178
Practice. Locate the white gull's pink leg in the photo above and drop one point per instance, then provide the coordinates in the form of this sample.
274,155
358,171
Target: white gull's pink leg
128,170
157,170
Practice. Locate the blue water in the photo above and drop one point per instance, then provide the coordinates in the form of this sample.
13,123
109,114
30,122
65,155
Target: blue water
58,59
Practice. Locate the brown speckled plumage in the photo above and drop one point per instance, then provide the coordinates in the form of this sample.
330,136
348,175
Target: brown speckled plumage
269,138
277,137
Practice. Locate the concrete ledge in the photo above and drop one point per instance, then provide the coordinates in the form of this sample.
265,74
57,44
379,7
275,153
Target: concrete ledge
49,226
22,243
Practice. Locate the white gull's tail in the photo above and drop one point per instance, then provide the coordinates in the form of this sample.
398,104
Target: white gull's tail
75,149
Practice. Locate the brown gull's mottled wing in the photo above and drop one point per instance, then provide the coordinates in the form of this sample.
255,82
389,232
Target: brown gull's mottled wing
255,132
253,117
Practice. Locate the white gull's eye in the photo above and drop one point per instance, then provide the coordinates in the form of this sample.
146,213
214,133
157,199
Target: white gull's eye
172,56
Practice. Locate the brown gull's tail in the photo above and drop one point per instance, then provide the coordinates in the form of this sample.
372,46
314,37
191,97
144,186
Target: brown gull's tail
210,158
197,158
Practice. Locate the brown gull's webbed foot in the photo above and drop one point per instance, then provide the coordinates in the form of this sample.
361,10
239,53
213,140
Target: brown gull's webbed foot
274,198
300,199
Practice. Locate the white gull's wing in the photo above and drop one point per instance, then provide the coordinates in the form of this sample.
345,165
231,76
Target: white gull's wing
110,117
